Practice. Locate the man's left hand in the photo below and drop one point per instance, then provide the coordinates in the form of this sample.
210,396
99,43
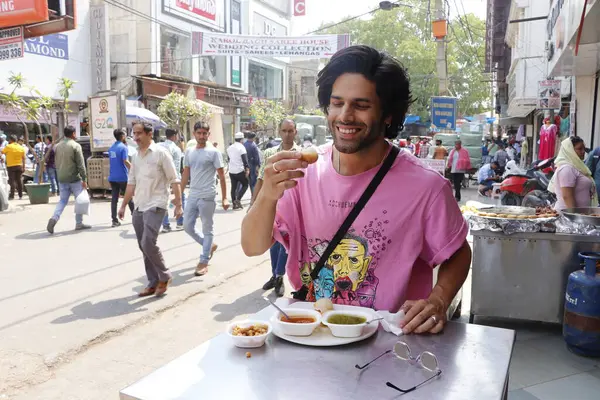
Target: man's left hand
225,204
178,211
424,316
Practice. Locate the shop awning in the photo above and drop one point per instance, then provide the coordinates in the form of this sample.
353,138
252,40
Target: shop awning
138,114
515,121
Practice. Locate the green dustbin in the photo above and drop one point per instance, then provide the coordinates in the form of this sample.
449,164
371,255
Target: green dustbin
39,193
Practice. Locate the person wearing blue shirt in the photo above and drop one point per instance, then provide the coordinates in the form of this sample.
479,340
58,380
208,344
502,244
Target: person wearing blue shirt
119,172
486,177
594,166
253,159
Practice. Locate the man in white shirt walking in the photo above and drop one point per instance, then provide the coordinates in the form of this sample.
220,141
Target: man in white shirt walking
201,165
238,170
152,172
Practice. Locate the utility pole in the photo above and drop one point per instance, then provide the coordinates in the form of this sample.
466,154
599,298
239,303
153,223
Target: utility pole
440,30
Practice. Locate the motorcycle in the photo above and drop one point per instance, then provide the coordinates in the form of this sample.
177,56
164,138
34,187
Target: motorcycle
531,188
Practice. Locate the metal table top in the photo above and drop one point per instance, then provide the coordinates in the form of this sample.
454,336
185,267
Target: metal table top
474,360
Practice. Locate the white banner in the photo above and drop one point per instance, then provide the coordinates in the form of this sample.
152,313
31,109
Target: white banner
104,119
436,165
217,44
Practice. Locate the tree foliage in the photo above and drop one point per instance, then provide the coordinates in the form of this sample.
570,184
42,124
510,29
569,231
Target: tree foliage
267,113
405,33
177,110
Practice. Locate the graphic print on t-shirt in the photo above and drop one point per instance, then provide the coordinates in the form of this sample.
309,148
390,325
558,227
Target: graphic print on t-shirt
348,276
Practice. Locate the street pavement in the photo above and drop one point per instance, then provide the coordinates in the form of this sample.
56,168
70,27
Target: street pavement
65,293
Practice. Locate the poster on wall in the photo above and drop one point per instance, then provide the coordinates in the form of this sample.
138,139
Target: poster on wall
11,43
216,44
548,94
210,13
104,119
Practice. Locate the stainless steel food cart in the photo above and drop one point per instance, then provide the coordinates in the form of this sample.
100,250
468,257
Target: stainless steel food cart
524,275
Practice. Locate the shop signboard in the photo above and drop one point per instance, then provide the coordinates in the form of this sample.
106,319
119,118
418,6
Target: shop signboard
443,112
215,44
210,13
55,46
105,116
548,94
22,12
236,28
11,43
299,8
263,26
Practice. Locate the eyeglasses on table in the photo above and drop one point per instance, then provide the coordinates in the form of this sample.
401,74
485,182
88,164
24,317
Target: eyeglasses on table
401,350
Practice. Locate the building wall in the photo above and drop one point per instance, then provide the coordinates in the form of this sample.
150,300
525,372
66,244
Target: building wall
302,84
44,71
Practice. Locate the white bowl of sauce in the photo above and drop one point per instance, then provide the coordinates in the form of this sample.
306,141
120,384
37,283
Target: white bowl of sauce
301,323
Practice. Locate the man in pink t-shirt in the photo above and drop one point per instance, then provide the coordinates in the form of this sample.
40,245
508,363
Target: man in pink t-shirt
410,225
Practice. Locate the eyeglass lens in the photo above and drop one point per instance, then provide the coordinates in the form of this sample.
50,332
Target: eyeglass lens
402,351
429,361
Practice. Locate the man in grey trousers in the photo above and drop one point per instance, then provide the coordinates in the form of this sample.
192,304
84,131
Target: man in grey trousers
152,172
201,164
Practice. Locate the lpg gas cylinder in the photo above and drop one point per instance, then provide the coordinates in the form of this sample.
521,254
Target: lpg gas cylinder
581,325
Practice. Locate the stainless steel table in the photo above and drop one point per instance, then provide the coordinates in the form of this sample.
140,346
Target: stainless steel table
474,360
524,275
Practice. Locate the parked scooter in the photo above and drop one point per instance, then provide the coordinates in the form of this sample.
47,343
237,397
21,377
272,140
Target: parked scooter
529,189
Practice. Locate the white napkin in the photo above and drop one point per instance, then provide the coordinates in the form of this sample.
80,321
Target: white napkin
391,322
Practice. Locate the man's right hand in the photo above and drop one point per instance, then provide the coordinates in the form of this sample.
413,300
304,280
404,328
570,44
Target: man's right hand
121,212
280,171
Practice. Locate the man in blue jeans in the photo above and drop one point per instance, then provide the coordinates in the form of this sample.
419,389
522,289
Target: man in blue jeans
253,159
119,173
200,167
70,167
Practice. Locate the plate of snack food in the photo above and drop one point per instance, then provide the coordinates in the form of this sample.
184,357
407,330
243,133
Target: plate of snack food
517,213
249,333
324,324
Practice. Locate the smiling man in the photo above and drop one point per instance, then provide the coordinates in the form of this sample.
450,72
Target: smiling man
409,226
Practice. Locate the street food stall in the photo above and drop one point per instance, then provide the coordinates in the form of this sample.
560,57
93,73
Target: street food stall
322,366
522,258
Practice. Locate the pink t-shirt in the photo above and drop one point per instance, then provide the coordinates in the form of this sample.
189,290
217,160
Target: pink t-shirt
569,176
411,224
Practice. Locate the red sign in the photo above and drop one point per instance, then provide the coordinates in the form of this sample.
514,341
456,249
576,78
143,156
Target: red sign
299,8
203,8
22,12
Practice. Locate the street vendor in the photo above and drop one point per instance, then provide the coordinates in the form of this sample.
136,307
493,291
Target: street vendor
385,261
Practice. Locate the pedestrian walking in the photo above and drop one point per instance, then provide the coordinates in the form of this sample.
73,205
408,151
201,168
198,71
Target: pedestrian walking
288,132
70,168
152,172
40,152
200,168
119,173
239,170
253,159
175,151
51,165
458,163
15,165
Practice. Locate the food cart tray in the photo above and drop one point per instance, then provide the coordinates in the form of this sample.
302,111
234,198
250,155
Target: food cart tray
515,210
583,215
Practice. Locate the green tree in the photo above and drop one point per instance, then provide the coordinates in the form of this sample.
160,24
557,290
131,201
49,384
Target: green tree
267,113
405,33
177,110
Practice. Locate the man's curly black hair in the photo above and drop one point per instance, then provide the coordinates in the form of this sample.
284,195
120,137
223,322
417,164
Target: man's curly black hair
389,76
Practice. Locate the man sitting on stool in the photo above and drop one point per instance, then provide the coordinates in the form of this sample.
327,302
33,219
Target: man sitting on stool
486,178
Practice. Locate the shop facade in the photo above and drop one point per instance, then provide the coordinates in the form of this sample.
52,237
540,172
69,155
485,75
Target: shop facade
267,76
46,60
154,65
563,25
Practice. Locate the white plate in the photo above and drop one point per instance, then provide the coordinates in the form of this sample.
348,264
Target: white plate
322,335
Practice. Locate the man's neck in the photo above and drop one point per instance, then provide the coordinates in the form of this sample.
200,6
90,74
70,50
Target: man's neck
287,146
361,161
144,148
200,145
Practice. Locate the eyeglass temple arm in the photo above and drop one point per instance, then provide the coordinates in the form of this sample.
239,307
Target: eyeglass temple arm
373,360
389,384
